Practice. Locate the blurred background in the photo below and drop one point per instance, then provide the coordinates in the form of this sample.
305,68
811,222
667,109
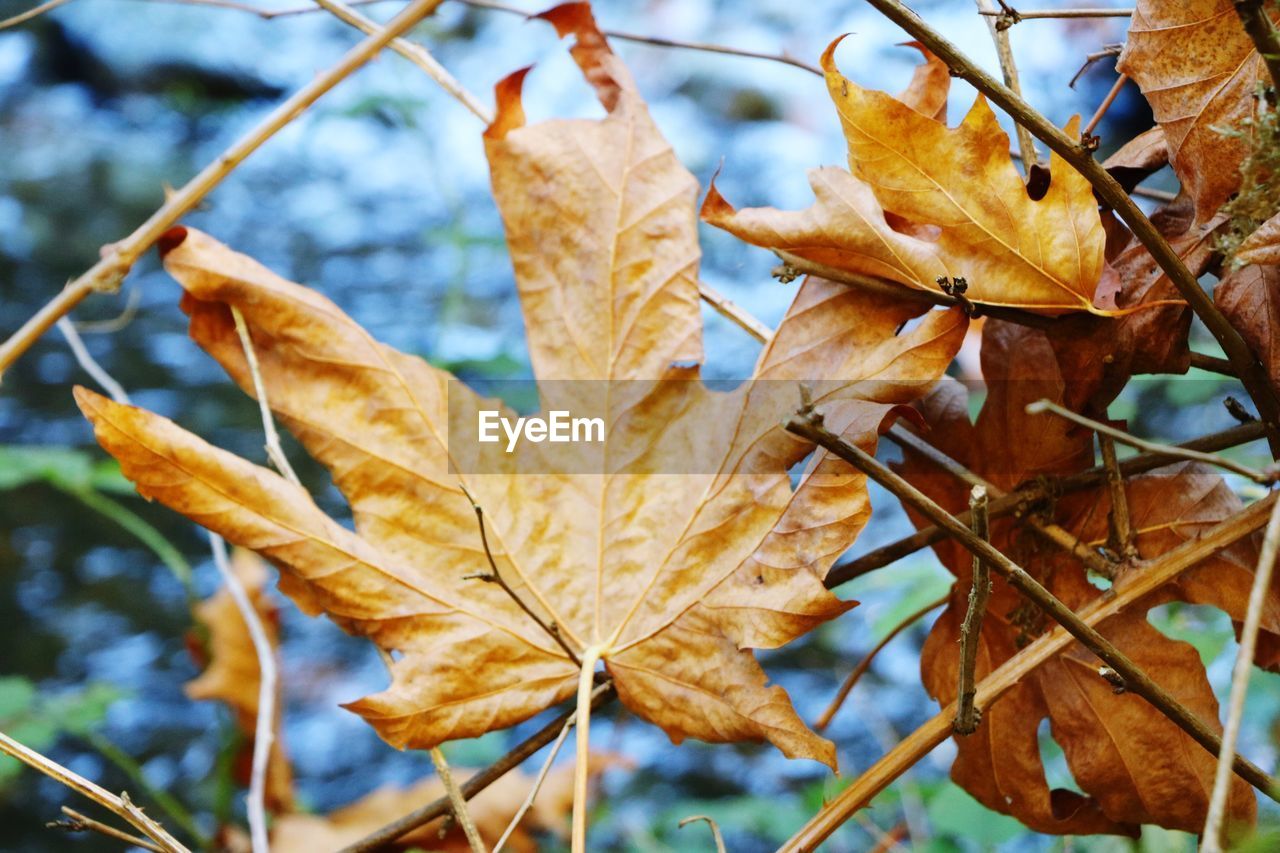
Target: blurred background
378,197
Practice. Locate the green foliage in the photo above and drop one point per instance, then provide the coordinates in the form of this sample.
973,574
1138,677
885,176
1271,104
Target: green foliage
1259,196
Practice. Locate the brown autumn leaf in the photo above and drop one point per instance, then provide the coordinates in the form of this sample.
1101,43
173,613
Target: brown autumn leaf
672,577
1198,70
1132,765
926,201
1139,158
1263,245
1250,299
492,810
232,675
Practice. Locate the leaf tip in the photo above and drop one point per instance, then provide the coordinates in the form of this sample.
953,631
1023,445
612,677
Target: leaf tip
828,60
510,114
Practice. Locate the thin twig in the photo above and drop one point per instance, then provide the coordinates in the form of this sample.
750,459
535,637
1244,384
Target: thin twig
164,800
478,782
1043,406
86,360
1131,588
1121,527
807,423
1033,493
968,716
264,729
116,323
118,805
1087,131
656,41
799,265
1062,13
1257,23
1213,824
1113,195
105,276
1212,364
1047,530
865,664
731,311
715,829
275,452
77,822
415,53
495,576
23,17
265,14
456,801
537,782
1009,70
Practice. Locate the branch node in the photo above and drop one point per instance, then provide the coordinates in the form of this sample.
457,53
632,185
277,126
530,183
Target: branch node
1115,679
786,273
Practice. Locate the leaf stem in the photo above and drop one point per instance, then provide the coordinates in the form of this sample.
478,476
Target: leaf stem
582,768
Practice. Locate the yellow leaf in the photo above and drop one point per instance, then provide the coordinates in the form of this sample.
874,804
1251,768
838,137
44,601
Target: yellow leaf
926,202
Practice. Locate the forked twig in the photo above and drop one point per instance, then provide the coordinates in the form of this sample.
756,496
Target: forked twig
1213,825
1131,588
537,782
807,423
495,576
1048,406
77,822
1121,526
967,715
1032,493
864,665
119,805
105,276
376,840
456,801
1062,13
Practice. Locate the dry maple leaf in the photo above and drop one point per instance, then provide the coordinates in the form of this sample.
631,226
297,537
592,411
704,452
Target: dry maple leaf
1199,71
927,202
671,577
1134,766
233,676
492,810
1250,299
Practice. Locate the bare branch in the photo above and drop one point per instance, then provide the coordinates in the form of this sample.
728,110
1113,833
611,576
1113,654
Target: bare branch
1087,131
967,716
1121,528
807,423
1060,13
90,364
23,17
1131,588
734,313
477,783
120,805
1009,69
1213,825
456,801
1042,406
264,728
77,822
537,782
105,276
865,664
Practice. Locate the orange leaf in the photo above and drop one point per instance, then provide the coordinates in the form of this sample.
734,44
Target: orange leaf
697,550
